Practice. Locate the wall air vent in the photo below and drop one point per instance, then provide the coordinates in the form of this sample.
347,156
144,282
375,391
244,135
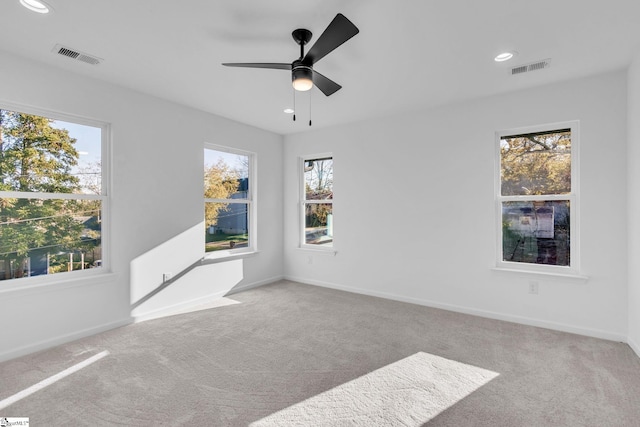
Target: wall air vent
77,55
539,65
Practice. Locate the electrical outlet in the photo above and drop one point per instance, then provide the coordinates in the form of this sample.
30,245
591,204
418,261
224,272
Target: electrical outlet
533,288
166,277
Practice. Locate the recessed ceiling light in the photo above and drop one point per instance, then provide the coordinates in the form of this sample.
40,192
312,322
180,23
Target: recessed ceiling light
288,110
505,56
36,6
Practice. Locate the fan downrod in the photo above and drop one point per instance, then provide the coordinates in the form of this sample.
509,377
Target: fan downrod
302,37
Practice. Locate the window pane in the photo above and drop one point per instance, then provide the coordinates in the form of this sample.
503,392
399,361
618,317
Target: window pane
318,179
318,224
38,154
226,175
39,237
226,226
536,232
536,164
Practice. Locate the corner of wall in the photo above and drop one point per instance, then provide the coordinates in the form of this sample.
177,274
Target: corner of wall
633,203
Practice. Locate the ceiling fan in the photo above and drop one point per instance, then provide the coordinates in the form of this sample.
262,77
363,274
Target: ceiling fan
303,76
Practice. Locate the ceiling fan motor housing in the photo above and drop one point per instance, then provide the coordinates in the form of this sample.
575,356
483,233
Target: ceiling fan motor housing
300,74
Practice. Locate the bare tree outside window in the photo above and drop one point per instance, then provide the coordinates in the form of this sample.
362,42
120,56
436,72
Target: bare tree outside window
318,201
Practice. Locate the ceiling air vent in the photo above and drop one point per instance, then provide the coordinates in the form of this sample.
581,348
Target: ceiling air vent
540,65
77,55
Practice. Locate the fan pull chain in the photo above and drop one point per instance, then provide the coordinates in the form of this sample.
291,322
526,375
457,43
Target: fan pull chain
310,92
294,105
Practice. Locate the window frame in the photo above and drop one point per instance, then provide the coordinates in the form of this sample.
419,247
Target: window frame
572,197
303,203
249,201
104,197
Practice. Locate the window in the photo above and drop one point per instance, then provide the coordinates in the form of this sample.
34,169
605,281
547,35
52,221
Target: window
537,198
228,200
317,201
52,197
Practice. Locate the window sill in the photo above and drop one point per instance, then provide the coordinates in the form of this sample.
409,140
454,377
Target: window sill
542,274
325,251
222,256
52,283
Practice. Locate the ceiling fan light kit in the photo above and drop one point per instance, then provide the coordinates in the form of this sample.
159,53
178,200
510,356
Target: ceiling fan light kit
303,76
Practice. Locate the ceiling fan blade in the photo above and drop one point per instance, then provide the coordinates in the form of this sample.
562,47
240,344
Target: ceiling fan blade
339,31
327,86
275,66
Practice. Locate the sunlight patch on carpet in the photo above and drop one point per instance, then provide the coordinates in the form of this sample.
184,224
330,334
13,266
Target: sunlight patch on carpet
48,381
409,392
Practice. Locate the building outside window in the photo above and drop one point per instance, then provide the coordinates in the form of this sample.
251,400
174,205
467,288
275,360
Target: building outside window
52,194
317,201
537,198
228,200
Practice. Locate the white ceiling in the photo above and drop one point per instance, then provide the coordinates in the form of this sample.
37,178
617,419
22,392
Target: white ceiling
409,53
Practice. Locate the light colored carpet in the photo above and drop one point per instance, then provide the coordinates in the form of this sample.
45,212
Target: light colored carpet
286,345
409,392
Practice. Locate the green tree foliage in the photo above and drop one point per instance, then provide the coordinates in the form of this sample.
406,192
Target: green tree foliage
35,157
220,182
536,164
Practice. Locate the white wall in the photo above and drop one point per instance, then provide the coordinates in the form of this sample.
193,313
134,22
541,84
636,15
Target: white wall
156,198
414,208
634,204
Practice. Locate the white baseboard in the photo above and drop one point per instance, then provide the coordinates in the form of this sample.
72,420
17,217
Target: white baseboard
172,309
248,286
62,339
185,305
596,333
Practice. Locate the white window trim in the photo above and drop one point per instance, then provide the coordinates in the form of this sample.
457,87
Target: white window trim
105,230
250,201
303,202
574,217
